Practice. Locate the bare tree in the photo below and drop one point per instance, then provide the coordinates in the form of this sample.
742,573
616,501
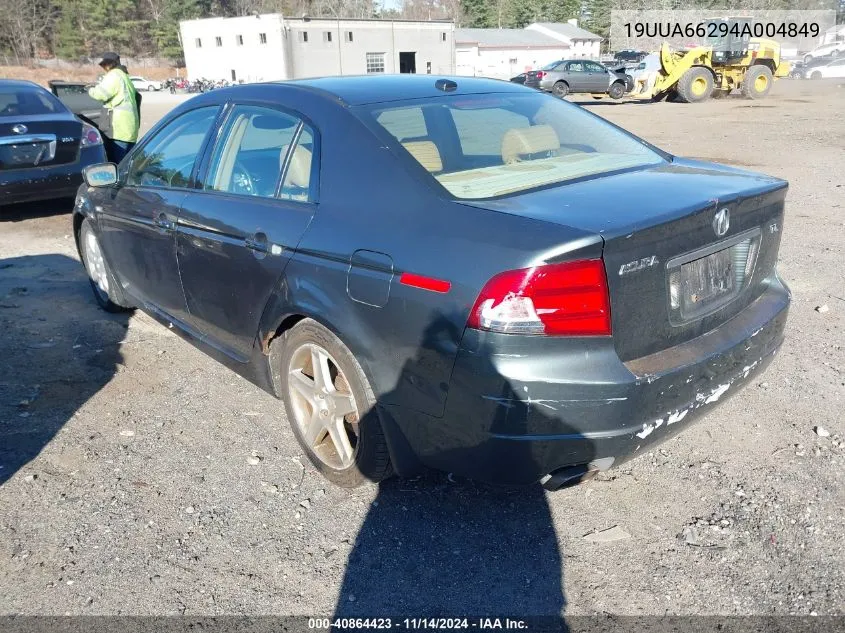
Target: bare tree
23,24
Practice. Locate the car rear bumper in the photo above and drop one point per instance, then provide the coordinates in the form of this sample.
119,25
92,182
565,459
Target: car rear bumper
522,407
45,183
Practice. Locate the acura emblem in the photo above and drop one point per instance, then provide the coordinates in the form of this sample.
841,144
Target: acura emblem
20,128
722,222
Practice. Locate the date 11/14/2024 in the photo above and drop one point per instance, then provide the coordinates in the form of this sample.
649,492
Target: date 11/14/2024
721,29
417,624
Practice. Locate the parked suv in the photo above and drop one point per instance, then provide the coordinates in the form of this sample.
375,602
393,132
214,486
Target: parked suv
576,75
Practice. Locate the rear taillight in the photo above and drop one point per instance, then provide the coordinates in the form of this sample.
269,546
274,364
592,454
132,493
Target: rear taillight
540,74
568,299
90,136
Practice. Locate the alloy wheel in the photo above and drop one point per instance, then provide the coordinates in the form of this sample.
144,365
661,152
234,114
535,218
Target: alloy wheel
95,264
323,406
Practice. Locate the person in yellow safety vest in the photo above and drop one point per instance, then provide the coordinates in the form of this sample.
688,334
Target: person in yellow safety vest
118,96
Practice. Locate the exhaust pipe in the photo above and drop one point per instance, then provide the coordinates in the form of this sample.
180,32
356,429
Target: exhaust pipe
574,475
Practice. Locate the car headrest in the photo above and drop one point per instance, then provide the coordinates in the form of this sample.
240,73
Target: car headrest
299,171
520,141
426,154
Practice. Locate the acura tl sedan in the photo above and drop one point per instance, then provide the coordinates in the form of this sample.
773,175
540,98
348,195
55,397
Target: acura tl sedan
460,274
43,145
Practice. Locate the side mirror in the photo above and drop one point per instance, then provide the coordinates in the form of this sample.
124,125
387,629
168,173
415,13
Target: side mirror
102,175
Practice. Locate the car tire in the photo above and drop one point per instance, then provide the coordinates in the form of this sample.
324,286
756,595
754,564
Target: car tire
560,89
757,82
313,405
816,74
695,85
107,292
808,59
150,89
616,90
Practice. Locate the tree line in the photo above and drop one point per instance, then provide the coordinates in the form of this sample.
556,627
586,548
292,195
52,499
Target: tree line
81,29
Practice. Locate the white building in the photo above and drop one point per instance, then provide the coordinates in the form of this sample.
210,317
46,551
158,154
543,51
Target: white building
504,53
271,47
582,43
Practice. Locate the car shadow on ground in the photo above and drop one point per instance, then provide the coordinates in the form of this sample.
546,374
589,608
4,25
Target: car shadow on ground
57,350
32,210
444,546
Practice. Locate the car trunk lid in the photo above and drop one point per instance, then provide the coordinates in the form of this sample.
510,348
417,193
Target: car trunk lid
38,142
671,277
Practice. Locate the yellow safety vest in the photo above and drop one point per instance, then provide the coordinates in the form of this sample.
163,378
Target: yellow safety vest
117,94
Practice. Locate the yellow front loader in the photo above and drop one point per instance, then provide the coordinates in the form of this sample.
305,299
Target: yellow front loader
714,70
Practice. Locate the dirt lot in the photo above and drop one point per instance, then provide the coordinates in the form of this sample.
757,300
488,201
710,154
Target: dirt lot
128,484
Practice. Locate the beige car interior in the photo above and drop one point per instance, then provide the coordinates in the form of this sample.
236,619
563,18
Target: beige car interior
426,154
517,143
222,180
299,172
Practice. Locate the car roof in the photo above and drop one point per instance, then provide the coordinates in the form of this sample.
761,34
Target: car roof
367,89
20,83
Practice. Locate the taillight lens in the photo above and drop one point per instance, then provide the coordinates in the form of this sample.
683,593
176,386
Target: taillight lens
568,299
540,74
90,136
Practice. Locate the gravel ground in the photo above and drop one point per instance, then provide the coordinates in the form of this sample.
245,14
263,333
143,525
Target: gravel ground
129,484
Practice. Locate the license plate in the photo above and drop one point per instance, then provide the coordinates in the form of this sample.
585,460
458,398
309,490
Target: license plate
706,282
18,155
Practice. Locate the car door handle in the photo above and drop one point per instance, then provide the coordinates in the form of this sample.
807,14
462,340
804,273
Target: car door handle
165,223
257,243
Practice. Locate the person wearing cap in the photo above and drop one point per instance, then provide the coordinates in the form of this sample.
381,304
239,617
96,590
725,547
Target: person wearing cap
117,94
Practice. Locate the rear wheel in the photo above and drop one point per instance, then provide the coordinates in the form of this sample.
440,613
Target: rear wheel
107,293
560,89
757,82
816,75
330,405
695,85
616,90
808,59
150,89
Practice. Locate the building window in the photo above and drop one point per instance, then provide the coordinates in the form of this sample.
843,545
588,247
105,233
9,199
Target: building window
239,40
218,41
375,62
198,42
327,36
513,60
443,36
262,38
347,36
303,36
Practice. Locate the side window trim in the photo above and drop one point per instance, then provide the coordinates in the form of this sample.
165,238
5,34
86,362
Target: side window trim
210,145
294,141
123,176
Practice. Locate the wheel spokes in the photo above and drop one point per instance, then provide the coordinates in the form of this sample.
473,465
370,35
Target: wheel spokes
343,403
322,373
315,429
337,433
303,385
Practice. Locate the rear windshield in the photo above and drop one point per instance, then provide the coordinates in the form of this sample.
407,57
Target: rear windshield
19,101
489,145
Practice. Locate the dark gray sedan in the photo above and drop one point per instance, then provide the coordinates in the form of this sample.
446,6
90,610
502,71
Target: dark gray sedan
577,76
462,274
